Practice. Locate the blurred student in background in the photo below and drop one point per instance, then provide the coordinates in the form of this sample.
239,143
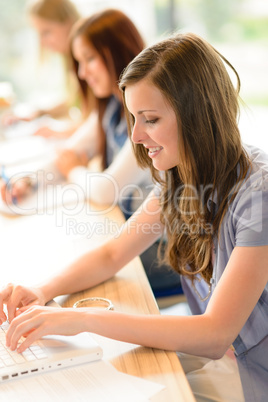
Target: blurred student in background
53,21
102,45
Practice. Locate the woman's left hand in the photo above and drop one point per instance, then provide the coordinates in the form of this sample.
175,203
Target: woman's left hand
68,160
39,321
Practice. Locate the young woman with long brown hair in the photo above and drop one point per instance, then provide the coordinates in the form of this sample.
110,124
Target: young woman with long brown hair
212,203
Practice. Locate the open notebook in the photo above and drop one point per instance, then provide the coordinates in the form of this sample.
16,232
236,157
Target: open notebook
49,353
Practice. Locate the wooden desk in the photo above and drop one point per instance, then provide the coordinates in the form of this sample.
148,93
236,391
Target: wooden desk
34,247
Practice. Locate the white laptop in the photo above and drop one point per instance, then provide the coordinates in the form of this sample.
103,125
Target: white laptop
49,353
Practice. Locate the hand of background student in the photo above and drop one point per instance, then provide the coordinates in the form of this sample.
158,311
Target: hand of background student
69,159
13,192
47,132
3,190
9,118
18,299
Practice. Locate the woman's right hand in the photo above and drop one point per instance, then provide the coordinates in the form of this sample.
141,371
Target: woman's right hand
18,299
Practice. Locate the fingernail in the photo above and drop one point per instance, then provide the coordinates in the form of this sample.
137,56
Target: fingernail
18,312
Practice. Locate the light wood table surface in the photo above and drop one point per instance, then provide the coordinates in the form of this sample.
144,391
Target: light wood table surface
35,247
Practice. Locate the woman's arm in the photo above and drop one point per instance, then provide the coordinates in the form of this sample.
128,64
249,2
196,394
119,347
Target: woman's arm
206,335
84,144
78,150
237,293
100,264
96,266
57,111
120,179
86,138
48,132
210,334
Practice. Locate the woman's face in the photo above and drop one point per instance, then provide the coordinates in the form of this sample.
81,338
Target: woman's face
53,35
92,68
155,124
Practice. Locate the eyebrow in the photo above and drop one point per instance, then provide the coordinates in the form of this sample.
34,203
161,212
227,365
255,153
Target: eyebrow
146,110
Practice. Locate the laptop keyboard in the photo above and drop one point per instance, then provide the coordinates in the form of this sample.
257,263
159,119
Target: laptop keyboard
10,358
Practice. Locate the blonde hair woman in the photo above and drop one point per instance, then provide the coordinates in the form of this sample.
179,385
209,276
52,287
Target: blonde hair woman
53,21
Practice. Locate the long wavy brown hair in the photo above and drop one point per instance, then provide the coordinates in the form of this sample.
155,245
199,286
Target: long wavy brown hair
115,38
193,78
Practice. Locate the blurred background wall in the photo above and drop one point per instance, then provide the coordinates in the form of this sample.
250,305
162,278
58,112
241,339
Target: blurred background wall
237,28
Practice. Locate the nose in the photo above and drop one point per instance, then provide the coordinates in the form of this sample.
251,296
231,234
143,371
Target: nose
138,135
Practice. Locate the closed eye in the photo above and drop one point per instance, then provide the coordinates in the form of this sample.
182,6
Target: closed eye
153,121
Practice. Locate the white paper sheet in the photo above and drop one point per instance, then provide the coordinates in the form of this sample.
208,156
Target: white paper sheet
97,381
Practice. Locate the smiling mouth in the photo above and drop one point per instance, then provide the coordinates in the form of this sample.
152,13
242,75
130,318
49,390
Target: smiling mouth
154,149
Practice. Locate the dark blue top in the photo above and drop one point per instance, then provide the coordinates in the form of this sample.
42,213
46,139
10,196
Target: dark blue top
115,128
